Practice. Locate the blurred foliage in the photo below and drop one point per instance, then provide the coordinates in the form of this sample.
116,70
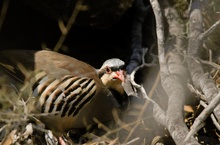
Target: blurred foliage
181,6
211,14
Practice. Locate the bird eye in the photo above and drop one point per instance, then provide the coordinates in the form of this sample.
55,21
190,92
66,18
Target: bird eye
108,70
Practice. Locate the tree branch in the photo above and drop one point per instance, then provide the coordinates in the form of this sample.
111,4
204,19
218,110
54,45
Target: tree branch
174,89
199,78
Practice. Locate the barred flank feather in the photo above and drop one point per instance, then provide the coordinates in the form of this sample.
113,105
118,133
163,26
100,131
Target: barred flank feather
66,96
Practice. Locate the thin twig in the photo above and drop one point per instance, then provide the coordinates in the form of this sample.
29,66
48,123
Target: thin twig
197,92
215,65
3,12
69,25
209,31
132,141
203,115
215,122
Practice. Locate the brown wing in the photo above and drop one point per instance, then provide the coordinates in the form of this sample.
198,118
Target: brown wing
54,64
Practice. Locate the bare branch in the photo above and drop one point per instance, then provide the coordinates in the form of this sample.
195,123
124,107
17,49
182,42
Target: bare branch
66,29
210,30
197,92
199,78
212,116
204,114
217,66
157,110
170,82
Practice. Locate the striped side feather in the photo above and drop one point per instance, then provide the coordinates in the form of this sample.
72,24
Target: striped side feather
66,96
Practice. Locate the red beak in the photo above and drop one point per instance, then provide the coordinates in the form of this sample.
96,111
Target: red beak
120,75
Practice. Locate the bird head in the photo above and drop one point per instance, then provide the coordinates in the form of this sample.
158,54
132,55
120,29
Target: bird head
112,74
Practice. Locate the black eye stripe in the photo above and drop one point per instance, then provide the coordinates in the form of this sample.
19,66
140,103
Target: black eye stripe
115,68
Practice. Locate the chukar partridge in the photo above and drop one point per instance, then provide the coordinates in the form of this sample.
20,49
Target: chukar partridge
71,92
